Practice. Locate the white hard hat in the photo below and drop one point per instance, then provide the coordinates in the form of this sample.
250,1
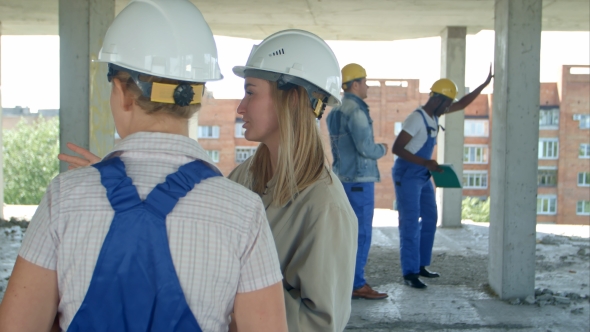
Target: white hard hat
163,38
296,57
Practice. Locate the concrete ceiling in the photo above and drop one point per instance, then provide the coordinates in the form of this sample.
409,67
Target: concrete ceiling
330,19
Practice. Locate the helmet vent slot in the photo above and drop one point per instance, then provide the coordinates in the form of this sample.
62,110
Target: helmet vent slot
278,52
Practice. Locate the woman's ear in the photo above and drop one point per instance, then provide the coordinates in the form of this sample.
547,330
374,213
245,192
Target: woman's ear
293,97
117,94
129,100
117,86
125,96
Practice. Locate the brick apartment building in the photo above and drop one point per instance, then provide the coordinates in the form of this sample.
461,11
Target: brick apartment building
564,141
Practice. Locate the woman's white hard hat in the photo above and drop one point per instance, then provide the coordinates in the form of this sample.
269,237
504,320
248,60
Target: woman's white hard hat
299,54
164,38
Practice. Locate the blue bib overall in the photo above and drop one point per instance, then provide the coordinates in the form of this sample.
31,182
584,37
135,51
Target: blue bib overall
134,286
416,206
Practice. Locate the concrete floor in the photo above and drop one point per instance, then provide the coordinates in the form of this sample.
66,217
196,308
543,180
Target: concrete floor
451,308
461,300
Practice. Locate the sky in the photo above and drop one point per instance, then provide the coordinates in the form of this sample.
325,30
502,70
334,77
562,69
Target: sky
30,64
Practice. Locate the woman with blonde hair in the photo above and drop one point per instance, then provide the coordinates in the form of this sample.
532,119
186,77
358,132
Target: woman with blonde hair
290,77
151,238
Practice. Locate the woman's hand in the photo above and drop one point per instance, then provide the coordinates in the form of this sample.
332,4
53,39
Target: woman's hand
88,158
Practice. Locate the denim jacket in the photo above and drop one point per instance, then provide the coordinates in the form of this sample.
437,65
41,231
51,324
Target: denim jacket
353,146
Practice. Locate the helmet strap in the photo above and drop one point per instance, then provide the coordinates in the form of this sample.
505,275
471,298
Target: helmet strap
182,94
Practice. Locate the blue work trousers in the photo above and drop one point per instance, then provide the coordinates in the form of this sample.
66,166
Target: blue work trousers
417,222
361,196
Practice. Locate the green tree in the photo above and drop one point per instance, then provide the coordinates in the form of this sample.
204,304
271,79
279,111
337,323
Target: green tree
475,209
30,160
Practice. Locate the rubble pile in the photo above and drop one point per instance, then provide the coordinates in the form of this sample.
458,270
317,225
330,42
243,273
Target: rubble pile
545,296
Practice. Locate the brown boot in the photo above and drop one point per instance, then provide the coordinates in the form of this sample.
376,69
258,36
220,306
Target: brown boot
366,292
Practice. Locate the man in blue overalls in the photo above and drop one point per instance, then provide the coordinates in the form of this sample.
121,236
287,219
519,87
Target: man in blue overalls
355,162
414,191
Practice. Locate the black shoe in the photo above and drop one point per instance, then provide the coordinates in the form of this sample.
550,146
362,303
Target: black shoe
427,274
412,280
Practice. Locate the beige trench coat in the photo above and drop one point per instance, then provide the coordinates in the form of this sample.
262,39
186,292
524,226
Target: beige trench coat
316,239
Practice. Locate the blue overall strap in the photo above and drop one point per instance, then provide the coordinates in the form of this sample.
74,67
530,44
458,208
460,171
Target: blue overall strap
164,196
428,147
134,286
429,129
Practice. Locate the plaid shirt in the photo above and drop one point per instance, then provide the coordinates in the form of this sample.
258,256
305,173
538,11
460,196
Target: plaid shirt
219,236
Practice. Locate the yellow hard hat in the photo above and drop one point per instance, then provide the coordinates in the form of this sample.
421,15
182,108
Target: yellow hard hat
445,87
352,72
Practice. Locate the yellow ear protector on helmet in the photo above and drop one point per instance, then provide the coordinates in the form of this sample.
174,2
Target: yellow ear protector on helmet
182,94
168,93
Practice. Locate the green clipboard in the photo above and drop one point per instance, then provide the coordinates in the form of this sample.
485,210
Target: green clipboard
447,179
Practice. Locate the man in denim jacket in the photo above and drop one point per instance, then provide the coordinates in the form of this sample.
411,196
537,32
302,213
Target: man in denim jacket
355,162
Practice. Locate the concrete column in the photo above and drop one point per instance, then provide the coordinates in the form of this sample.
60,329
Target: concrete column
450,141
85,117
515,135
1,134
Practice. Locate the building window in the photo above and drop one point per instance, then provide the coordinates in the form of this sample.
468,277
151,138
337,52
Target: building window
584,179
208,132
403,84
475,179
397,128
214,155
584,151
475,154
243,153
476,128
548,148
239,131
580,70
546,204
583,208
549,118
547,177
584,120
